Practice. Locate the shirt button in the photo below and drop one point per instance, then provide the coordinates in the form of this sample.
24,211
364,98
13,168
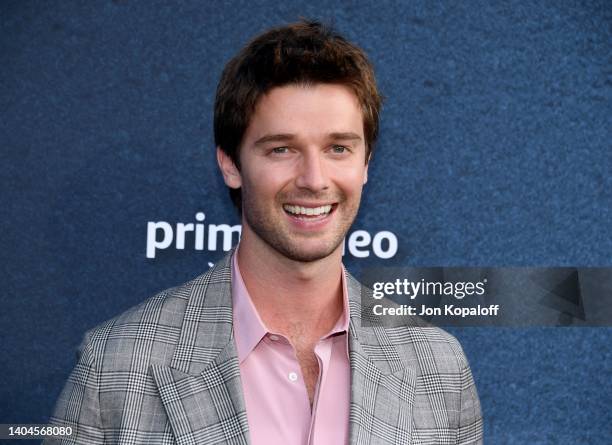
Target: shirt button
273,337
292,376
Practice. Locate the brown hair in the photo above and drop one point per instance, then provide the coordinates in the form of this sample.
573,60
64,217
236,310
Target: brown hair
305,52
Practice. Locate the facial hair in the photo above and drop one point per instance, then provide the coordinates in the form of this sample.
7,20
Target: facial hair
276,234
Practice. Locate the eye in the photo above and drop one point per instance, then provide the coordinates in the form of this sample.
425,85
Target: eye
280,150
339,149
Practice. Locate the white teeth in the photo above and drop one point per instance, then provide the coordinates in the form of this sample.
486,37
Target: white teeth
309,211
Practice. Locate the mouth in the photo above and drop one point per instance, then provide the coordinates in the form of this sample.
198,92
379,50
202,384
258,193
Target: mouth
309,213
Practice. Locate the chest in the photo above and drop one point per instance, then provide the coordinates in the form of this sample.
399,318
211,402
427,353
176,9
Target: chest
309,365
296,393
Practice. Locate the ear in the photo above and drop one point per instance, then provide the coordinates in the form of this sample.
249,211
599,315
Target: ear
231,174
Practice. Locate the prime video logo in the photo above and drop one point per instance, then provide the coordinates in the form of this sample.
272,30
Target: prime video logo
162,235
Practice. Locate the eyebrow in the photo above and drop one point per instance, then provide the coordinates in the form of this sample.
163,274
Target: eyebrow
347,136
281,137
284,137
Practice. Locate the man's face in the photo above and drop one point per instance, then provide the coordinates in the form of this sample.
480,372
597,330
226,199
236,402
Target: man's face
303,167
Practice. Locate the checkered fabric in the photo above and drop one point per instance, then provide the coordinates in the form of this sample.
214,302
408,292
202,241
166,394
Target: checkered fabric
166,372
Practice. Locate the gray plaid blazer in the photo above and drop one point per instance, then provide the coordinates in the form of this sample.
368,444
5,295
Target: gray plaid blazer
166,372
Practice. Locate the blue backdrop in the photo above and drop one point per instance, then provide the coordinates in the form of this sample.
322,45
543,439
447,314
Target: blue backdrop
494,151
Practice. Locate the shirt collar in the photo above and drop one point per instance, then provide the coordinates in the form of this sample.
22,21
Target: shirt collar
249,328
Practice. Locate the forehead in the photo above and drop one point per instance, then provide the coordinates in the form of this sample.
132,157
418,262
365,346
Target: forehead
309,111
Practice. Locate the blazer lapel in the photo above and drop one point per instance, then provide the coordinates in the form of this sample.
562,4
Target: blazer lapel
202,393
382,387
201,389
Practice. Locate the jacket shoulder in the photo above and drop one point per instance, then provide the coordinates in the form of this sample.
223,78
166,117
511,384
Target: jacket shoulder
421,346
152,327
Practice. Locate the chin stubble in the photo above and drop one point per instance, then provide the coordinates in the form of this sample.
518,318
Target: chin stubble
267,229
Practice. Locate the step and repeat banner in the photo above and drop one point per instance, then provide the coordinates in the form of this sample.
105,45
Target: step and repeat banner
488,209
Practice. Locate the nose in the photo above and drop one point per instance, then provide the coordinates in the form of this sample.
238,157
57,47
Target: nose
312,173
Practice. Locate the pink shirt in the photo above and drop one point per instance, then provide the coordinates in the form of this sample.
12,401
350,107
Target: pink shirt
277,404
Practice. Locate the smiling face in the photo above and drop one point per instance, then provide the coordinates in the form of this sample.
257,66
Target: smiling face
303,167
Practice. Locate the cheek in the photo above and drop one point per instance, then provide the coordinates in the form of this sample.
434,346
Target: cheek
352,180
265,183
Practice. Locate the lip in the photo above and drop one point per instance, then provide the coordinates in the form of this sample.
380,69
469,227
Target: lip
310,205
312,223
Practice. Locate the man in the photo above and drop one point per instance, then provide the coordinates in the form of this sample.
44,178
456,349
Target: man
268,347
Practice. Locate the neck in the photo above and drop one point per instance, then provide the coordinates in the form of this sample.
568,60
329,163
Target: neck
291,295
